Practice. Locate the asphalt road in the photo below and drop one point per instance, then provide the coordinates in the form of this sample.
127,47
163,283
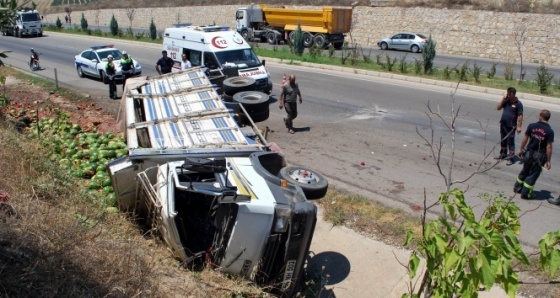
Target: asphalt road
347,119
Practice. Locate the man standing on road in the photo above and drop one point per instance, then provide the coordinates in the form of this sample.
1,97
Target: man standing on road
536,153
127,67
288,100
110,71
511,121
164,64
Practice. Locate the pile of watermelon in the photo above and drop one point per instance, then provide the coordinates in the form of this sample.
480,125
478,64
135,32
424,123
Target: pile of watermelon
82,152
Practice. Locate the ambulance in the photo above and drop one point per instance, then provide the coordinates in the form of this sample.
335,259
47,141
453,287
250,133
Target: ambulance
216,47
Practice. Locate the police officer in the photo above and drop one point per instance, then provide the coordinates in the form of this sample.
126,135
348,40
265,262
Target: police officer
110,71
127,67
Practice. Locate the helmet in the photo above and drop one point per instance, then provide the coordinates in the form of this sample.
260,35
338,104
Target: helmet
110,57
124,53
32,50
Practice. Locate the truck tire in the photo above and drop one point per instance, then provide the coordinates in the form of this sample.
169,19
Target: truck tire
103,77
319,41
40,34
307,39
252,101
227,98
271,37
233,85
313,184
18,33
245,34
259,116
338,45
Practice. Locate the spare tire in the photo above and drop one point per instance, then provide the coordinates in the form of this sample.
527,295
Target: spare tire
313,184
252,101
227,98
232,85
259,116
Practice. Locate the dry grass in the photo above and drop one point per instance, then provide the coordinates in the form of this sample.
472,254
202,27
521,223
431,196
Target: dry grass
369,218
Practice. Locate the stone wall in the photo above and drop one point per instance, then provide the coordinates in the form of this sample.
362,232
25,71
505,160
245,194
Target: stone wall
482,34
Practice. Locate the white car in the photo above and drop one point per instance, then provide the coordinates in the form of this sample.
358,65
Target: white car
92,62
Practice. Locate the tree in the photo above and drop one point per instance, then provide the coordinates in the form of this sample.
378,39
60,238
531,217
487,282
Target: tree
429,54
130,16
114,26
153,31
83,23
298,40
58,23
519,37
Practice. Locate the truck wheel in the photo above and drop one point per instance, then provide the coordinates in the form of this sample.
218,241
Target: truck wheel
319,41
291,37
252,101
19,34
313,184
338,45
271,37
245,34
40,34
259,116
307,39
232,85
228,98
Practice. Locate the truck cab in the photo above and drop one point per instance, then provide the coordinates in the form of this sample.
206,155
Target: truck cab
216,47
25,23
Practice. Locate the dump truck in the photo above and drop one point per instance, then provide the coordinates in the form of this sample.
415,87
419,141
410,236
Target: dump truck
320,27
215,190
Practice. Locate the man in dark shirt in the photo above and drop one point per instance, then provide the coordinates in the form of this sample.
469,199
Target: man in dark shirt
110,70
511,121
127,67
536,149
288,101
164,64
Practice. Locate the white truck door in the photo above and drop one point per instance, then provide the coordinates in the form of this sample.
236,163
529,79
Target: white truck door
123,171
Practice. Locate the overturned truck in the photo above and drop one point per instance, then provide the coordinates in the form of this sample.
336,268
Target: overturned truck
214,188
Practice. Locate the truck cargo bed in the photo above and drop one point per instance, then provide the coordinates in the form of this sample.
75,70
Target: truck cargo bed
181,113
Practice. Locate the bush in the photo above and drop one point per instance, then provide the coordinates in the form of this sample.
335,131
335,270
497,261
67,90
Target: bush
508,71
153,31
492,72
544,77
418,66
476,72
84,23
403,65
298,40
114,26
429,54
58,23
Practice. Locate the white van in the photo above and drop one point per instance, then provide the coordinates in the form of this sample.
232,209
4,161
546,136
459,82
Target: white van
216,47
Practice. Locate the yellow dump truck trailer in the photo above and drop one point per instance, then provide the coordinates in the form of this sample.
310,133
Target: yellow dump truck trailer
275,24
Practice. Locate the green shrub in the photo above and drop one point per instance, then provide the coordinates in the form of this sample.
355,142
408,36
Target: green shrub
403,65
544,78
84,23
418,66
153,31
298,40
476,72
429,54
114,26
447,73
508,71
492,72
58,23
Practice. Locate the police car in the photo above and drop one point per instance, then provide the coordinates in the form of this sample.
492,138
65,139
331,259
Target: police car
92,62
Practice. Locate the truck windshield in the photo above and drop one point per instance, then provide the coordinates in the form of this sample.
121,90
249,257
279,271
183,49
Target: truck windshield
245,56
30,17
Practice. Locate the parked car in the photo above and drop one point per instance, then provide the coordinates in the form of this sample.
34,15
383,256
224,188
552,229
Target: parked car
414,42
92,62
